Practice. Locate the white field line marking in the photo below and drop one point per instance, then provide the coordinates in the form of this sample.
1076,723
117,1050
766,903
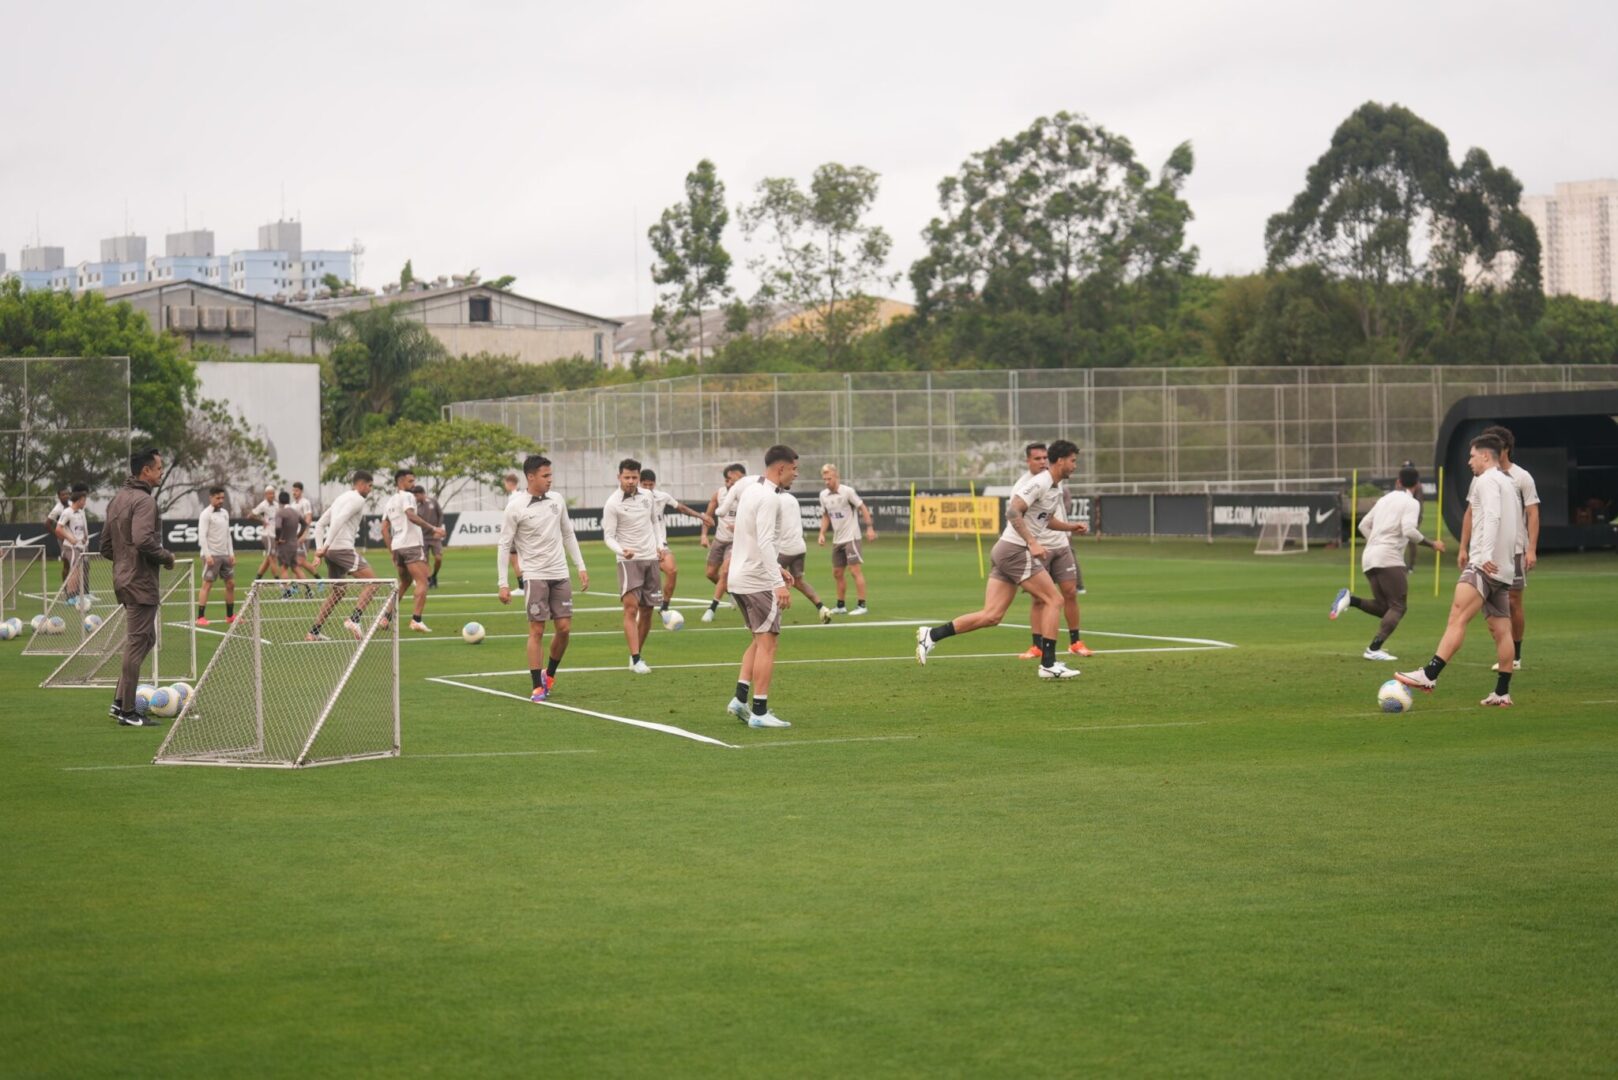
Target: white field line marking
822,742
501,753
667,729
933,659
1121,727
688,630
1606,701
105,768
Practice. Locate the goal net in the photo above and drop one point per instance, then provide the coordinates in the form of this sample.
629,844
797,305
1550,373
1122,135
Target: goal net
99,660
270,697
86,592
1284,532
23,590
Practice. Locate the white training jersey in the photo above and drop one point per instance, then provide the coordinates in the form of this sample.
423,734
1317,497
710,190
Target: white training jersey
541,533
1047,536
841,508
304,508
1041,495
628,524
340,524
515,497
404,532
1528,493
789,530
266,510
755,565
213,533
662,502
1496,520
56,512
77,527
724,523
1391,523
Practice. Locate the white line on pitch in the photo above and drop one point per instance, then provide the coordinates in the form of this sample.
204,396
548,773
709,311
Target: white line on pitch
1121,727
453,637
501,753
667,729
822,742
1606,701
104,768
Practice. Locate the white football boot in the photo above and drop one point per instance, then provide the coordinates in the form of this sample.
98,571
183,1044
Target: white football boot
1058,670
1379,654
924,643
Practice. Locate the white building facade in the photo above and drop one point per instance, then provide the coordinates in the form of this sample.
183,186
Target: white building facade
1576,226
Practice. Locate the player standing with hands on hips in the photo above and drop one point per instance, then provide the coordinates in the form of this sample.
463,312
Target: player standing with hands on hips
838,504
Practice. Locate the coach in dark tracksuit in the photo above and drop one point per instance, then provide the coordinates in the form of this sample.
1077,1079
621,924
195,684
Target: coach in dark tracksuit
132,537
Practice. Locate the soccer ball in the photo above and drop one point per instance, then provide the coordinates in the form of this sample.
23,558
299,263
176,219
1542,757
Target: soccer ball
36,622
6,632
183,690
673,620
472,633
163,702
1394,697
84,601
92,623
143,696
55,625
16,626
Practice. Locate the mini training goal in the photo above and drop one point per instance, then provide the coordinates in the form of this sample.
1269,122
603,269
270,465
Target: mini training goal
22,569
1284,532
98,661
271,698
72,605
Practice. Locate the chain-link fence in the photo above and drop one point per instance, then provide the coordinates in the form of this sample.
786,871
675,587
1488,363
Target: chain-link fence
63,420
1141,429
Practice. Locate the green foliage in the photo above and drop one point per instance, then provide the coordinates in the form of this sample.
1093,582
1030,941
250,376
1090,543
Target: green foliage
691,258
446,455
1575,331
407,275
374,352
504,282
216,447
333,283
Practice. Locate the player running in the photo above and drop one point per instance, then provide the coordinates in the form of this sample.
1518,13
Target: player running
629,529
839,503
402,531
306,511
662,502
1486,581
793,551
719,547
1527,548
335,533
1018,560
1388,527
758,583
1062,564
540,533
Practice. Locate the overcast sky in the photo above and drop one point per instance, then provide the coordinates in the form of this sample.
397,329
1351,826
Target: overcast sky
542,139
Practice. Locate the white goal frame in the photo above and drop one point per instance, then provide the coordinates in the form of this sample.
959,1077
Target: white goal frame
74,634
248,632
1280,528
96,663
12,576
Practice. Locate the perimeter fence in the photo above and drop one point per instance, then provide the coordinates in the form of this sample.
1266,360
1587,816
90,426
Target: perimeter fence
62,420
1151,429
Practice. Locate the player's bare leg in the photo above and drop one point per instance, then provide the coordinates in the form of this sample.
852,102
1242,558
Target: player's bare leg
418,576
859,585
839,576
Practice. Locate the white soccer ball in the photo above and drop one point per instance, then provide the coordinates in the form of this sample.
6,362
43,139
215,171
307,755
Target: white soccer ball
55,625
673,620
84,601
6,632
1394,697
183,690
16,626
472,633
92,623
143,696
36,622
163,702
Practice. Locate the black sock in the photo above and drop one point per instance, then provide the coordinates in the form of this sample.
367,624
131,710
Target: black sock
859,604
760,706
315,629
415,618
841,606
355,618
1376,643
1502,683
1356,602
202,611
634,658
552,665
939,633
230,608
1518,646
665,603
538,676
1035,636
714,606
742,687
1047,651
1073,637
1433,667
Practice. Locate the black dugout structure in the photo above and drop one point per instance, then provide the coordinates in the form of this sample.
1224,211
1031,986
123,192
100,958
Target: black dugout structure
1568,441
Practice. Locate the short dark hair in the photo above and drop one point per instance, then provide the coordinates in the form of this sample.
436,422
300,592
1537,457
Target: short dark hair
63,490
297,485
418,490
215,490
1508,441
285,498
534,462
1031,447
81,489
778,453
1491,443
140,459
1062,448
647,474
400,474
630,464
736,467
361,474
1409,477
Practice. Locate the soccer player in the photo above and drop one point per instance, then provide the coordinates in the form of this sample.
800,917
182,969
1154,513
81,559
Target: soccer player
662,502
64,496
540,533
629,530
132,537
514,494
218,555
73,533
305,510
264,513
335,533
719,546
402,531
1486,581
793,552
289,528
838,504
1061,564
433,514
1527,548
759,584
1392,523
1018,561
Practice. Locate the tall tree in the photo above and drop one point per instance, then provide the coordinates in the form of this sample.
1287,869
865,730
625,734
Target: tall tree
447,455
374,352
1487,242
692,262
824,257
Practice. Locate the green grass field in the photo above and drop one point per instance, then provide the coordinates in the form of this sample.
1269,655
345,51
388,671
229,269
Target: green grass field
1219,861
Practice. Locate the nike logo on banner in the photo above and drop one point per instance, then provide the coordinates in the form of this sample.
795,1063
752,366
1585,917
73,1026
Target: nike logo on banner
1322,515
